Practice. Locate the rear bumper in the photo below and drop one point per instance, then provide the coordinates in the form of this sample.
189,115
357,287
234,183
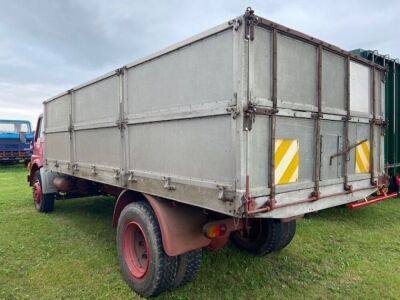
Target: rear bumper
377,199
300,202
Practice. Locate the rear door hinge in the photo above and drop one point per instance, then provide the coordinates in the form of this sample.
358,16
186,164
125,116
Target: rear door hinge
248,120
249,21
252,111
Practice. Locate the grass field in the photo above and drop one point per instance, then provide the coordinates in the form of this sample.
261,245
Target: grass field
71,253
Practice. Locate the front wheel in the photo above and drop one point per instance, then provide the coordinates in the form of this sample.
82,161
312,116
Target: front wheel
145,266
43,202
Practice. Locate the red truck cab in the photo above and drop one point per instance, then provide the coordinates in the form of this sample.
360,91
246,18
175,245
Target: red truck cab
44,202
37,150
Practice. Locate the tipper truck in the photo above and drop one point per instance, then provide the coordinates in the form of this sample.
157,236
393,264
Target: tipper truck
232,134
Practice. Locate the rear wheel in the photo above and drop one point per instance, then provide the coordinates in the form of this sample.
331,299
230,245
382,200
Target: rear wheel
263,237
43,202
145,266
289,230
188,266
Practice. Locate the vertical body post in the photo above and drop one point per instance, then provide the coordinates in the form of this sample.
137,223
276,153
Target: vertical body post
346,127
372,127
72,135
317,126
273,118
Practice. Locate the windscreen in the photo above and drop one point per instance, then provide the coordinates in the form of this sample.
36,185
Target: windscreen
14,127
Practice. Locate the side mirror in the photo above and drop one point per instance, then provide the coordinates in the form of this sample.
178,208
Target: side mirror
22,137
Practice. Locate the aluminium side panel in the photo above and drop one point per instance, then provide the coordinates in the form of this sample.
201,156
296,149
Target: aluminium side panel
297,73
360,89
165,125
190,76
97,138
333,83
57,146
179,129
262,51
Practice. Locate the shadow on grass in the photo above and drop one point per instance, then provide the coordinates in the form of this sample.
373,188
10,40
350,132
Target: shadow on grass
90,215
88,206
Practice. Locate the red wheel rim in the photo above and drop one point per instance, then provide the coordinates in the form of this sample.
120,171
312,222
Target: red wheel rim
37,194
135,250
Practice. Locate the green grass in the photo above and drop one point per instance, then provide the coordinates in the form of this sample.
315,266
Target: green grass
71,253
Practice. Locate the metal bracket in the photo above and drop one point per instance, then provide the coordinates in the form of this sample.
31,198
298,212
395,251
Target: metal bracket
117,174
119,71
131,177
167,184
94,171
223,195
70,129
75,168
121,123
317,115
379,122
349,188
235,23
56,164
235,112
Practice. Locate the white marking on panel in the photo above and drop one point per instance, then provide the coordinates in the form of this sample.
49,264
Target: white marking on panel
360,87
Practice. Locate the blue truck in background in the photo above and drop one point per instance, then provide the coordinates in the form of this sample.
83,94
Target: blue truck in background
15,141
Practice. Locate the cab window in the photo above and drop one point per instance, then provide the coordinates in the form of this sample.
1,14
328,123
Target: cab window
39,129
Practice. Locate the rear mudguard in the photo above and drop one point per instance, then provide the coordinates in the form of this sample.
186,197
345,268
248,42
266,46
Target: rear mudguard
181,225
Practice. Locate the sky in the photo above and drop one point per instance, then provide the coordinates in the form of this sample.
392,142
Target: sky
50,46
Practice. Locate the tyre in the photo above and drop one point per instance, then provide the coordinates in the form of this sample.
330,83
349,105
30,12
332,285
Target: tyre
188,266
43,202
263,237
289,230
145,266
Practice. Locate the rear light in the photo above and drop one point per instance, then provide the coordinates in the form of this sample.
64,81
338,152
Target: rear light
214,230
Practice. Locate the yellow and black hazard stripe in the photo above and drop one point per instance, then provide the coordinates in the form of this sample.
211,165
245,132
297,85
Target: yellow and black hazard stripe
287,159
362,157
